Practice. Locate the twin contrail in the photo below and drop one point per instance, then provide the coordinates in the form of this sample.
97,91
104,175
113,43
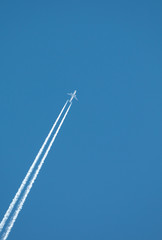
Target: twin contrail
25,183
20,205
11,206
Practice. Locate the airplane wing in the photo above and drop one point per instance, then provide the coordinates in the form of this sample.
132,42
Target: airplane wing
76,98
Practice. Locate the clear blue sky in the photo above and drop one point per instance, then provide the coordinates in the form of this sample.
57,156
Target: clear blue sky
102,179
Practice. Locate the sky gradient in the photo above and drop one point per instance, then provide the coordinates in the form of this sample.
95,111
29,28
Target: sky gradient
102,178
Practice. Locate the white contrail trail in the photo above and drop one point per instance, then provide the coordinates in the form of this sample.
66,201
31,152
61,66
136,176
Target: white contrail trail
20,205
12,204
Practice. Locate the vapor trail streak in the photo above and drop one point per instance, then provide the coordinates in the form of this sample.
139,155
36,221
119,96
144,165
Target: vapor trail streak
20,205
12,204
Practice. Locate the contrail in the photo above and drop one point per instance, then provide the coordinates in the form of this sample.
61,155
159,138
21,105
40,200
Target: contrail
20,205
12,204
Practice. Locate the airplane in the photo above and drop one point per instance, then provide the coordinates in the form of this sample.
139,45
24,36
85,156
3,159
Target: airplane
73,95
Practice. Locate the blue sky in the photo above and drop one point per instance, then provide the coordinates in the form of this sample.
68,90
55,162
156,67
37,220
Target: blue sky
102,178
